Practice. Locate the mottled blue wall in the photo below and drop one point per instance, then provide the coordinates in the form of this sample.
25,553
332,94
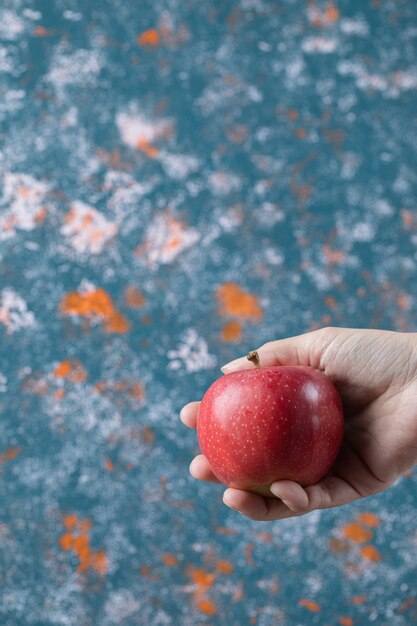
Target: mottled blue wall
181,181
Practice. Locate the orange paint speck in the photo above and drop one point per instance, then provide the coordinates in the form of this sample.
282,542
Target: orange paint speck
89,304
41,31
355,532
70,521
292,114
41,215
404,302
117,323
236,302
369,519
331,13
66,542
249,553
78,541
359,600
408,602
329,16
333,257
338,546
99,562
108,464
300,133
310,605
9,455
172,244
148,435
231,331
95,303
84,525
70,370
145,571
370,553
224,567
202,578
331,302
207,606
81,547
407,218
170,560
147,148
202,582
346,621
63,369
134,298
149,38
59,394
137,391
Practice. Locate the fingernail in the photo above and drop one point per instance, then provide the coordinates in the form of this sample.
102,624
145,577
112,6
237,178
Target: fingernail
182,414
233,365
274,489
190,468
226,496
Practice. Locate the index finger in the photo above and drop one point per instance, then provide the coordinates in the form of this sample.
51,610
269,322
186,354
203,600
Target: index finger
303,349
189,413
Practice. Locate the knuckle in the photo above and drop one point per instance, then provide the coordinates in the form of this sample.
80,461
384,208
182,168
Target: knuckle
269,345
328,332
301,509
319,497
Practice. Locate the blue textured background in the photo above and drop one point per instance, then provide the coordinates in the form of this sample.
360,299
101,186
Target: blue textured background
247,171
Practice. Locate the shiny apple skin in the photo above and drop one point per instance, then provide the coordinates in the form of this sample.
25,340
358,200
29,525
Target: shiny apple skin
265,424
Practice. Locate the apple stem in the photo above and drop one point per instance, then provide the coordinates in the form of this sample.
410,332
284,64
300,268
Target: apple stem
253,357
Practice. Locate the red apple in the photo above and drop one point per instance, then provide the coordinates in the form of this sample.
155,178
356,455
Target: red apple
265,424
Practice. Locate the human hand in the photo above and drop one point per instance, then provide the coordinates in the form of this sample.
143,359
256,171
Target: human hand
375,372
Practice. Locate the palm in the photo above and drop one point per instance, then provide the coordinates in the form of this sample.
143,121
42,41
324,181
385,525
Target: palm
376,379
375,373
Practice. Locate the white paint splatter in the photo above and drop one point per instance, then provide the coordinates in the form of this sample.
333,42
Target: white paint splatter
222,183
363,231
405,80
121,605
179,166
78,68
11,25
319,45
269,214
165,239
191,354
273,256
32,15
73,16
136,129
24,198
14,312
371,82
87,229
6,64
354,26
70,118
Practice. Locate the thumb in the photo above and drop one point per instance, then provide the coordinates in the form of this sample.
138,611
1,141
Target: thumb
306,349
